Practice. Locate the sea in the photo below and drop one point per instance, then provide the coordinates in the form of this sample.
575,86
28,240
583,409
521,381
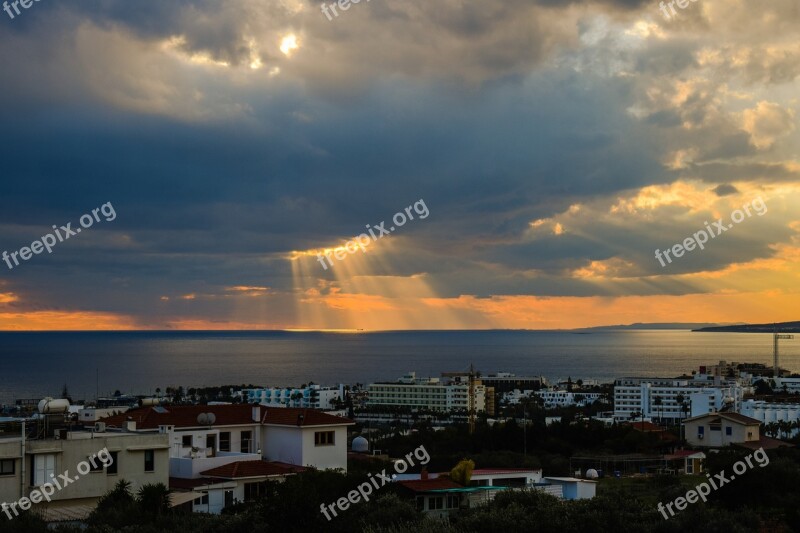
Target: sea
38,364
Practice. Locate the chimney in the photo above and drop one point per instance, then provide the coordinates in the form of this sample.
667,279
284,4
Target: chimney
256,413
424,474
130,425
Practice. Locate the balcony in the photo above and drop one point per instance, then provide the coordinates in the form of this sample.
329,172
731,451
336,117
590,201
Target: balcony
190,467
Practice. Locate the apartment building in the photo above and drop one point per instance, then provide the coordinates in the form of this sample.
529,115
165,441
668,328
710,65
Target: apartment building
426,393
310,397
560,398
27,465
768,412
657,398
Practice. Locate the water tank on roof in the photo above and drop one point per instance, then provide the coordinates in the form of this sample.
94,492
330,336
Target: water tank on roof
49,406
360,445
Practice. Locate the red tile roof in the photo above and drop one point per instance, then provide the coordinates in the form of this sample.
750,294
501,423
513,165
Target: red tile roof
764,442
495,471
425,485
179,483
241,469
185,416
647,427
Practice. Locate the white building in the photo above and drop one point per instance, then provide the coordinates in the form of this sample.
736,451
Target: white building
657,398
560,398
205,440
767,412
310,397
425,393
792,385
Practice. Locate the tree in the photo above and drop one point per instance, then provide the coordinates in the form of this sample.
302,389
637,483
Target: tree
658,401
153,499
462,472
65,393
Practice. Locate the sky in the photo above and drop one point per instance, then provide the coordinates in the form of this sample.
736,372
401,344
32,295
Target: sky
545,149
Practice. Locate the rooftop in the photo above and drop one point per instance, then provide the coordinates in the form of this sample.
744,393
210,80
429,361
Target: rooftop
245,469
185,416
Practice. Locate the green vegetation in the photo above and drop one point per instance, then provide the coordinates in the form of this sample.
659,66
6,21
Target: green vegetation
762,499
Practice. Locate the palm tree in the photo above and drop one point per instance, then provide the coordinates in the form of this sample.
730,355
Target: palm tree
657,401
154,499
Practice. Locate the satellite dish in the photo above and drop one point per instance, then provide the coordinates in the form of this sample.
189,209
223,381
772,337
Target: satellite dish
206,419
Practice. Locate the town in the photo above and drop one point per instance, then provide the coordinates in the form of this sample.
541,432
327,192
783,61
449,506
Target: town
219,450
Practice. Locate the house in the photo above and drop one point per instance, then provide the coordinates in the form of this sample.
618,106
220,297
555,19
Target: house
721,429
219,487
27,466
221,454
685,462
437,495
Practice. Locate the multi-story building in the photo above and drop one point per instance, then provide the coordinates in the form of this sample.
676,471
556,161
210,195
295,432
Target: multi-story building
657,398
309,397
426,393
220,454
768,412
26,466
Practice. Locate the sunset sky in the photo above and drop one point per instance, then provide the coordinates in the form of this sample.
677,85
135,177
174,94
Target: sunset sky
556,144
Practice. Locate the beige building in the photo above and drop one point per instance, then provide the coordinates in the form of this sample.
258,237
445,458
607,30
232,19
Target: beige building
26,468
721,429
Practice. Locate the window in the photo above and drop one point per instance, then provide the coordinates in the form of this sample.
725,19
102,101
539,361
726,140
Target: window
253,491
436,502
728,430
247,438
701,430
225,441
7,467
324,438
112,468
149,460
211,441
203,500
44,469
96,467
187,441
453,501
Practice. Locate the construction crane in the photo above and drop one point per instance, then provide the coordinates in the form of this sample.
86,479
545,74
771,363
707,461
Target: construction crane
776,372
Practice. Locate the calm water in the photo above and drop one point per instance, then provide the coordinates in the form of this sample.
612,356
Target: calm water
38,364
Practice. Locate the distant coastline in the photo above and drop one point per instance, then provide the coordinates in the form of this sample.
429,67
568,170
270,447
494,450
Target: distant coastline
783,327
